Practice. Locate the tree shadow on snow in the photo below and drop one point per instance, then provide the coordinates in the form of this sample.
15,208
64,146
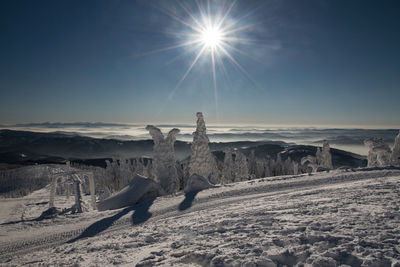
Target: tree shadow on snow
47,214
140,215
19,221
188,201
101,225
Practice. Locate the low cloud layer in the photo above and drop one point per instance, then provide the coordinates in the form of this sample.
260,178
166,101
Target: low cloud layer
348,139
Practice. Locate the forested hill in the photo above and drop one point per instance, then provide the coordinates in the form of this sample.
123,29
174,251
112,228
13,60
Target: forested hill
24,147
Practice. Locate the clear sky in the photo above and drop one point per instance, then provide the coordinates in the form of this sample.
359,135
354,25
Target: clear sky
298,62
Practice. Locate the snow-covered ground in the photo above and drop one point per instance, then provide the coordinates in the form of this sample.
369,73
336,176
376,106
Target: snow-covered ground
326,219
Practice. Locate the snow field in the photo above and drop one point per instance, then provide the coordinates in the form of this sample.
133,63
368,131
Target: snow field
326,219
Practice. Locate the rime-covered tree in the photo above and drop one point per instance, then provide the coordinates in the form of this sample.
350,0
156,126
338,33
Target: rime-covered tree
325,159
287,166
139,167
202,161
228,174
149,170
379,152
113,172
240,167
279,165
395,156
126,173
322,159
164,163
311,161
119,172
252,164
267,167
295,168
19,182
260,168
182,176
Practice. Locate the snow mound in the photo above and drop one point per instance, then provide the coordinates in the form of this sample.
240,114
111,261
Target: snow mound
197,183
139,189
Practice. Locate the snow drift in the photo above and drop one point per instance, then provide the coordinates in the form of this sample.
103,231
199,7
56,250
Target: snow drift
197,183
139,190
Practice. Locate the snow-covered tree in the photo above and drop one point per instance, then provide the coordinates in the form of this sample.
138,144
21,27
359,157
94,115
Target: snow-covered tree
395,156
260,168
252,164
379,152
322,159
202,161
119,172
139,167
310,161
113,173
149,170
267,167
278,165
325,159
126,173
295,168
240,167
287,166
228,174
164,163
271,167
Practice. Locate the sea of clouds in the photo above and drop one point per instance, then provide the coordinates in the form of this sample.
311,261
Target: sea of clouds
341,138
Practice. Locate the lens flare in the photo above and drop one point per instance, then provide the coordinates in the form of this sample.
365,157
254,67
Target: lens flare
212,32
211,37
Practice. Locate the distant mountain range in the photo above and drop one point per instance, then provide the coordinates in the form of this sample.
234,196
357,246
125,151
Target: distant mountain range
70,124
23,147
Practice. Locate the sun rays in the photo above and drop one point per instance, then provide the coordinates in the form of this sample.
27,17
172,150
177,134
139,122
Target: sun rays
209,30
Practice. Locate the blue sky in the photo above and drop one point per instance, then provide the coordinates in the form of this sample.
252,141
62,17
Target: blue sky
308,63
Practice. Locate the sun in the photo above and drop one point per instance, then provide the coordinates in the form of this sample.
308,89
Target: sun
210,31
211,37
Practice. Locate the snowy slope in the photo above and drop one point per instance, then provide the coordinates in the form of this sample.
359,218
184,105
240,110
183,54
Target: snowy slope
336,218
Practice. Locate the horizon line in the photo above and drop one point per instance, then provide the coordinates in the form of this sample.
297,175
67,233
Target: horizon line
193,124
